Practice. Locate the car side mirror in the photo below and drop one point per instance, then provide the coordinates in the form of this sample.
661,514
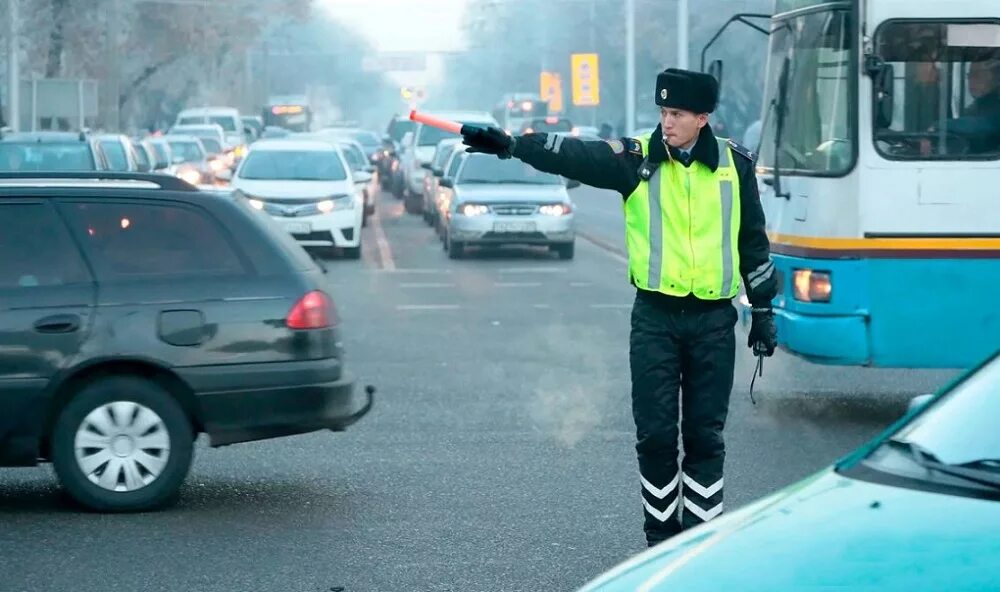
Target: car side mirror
362,177
918,402
446,182
572,183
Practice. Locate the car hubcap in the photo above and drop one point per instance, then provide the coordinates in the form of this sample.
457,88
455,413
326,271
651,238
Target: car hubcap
122,446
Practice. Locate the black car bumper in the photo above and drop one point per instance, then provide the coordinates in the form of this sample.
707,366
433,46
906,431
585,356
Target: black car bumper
261,401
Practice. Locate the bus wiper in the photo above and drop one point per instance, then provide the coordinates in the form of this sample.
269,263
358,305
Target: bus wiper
971,472
779,124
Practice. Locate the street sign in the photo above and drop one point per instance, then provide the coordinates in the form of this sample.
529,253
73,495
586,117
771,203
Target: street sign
551,91
586,80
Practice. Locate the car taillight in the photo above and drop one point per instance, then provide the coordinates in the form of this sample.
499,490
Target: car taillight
315,310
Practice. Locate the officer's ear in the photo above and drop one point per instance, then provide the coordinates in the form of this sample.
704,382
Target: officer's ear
702,119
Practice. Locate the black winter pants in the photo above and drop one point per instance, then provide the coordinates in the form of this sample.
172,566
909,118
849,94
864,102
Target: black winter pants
682,355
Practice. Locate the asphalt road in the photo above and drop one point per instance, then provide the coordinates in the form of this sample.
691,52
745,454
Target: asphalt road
499,455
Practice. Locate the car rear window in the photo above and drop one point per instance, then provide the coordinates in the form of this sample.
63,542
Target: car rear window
36,249
293,165
140,155
187,151
228,123
45,156
137,240
212,146
191,120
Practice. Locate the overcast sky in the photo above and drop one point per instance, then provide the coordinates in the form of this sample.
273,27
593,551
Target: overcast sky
403,25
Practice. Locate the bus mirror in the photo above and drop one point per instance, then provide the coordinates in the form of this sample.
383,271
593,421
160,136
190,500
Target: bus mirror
715,70
882,87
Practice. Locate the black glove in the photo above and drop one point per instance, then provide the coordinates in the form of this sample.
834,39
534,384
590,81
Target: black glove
763,334
488,140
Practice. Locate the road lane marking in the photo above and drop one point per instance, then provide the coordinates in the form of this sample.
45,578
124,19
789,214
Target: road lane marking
428,307
426,285
384,251
517,284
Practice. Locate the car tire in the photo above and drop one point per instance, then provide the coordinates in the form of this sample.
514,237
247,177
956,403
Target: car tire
456,250
118,415
565,251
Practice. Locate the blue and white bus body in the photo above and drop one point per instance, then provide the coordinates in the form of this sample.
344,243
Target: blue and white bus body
910,244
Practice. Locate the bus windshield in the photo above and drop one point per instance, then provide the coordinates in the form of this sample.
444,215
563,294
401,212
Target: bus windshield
809,128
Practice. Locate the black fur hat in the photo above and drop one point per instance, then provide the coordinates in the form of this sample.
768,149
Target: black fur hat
687,90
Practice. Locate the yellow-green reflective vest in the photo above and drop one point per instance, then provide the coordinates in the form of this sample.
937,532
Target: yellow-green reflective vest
682,229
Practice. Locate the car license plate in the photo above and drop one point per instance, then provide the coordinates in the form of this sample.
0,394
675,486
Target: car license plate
298,227
513,227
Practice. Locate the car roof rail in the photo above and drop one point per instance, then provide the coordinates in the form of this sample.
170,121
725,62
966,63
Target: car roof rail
166,182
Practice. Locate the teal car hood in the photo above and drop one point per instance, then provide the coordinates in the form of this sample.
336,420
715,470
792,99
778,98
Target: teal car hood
826,533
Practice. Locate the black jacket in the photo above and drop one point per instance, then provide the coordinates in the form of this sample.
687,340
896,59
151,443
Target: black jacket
616,165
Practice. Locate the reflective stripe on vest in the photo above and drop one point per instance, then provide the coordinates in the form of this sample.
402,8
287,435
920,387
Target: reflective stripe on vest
681,229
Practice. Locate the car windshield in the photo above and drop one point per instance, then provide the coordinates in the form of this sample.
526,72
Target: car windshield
212,145
293,165
808,96
48,156
488,169
227,122
430,136
115,153
962,426
187,151
367,139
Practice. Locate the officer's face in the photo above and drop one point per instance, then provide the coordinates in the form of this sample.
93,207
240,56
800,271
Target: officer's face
680,127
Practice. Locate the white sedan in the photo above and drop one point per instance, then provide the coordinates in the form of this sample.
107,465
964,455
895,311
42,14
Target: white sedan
307,187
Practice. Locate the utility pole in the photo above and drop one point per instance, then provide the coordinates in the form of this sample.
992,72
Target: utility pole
593,48
683,29
629,67
13,69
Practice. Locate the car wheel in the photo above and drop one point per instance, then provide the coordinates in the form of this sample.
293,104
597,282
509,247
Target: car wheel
456,250
122,444
565,251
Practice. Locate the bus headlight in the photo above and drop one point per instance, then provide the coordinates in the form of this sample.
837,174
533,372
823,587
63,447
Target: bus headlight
812,286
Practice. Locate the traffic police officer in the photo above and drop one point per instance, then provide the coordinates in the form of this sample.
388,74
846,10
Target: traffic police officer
694,226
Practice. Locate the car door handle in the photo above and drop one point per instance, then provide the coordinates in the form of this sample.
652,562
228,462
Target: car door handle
61,323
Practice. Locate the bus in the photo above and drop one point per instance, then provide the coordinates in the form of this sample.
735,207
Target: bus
878,170
515,109
291,112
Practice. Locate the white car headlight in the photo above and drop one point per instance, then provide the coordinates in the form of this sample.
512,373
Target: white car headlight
555,209
256,204
473,209
339,203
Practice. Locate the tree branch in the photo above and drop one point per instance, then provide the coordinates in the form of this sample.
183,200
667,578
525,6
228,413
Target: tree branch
144,76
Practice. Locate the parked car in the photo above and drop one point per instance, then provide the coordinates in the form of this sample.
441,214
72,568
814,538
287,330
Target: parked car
119,152
917,508
442,152
507,202
420,150
307,186
138,312
51,151
227,118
